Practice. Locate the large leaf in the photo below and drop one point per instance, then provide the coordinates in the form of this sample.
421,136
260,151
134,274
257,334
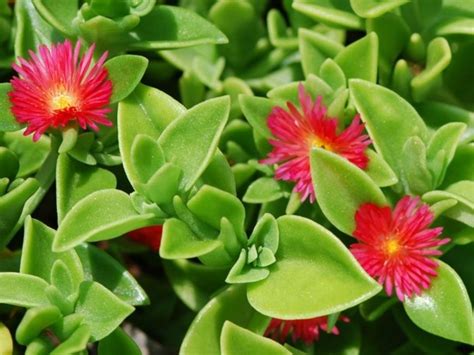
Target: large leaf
190,142
387,115
60,14
174,27
75,180
22,290
102,215
37,257
229,305
444,309
103,311
314,275
103,268
341,187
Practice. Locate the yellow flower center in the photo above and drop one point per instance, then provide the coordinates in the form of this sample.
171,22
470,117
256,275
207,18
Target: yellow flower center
392,246
318,143
63,101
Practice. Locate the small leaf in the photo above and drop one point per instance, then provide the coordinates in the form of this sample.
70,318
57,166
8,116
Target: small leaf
101,267
374,8
415,170
125,72
256,111
359,60
379,170
332,74
328,15
229,305
76,342
197,131
194,283
341,187
236,340
314,275
103,311
444,309
265,233
264,189
164,184
22,290
381,110
147,157
102,215
8,122
35,321
179,241
118,342
241,272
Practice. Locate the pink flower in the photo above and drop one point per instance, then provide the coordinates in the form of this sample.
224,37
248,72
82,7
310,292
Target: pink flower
396,247
149,236
296,132
306,330
55,87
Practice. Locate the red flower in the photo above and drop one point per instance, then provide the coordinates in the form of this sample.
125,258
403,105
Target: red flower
296,132
149,236
55,88
397,247
307,330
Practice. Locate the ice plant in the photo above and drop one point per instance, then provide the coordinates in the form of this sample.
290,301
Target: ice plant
306,330
56,88
149,236
396,247
296,132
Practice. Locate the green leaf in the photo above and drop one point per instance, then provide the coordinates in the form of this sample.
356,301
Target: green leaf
314,275
359,60
265,233
256,111
164,184
118,342
211,204
125,72
194,283
146,111
381,109
332,74
102,215
415,171
444,309
374,8
82,148
264,189
454,26
315,48
341,187
328,15
9,163
22,290
38,259
219,174
8,122
75,180
278,32
103,311
229,305
59,14
460,167
241,272
236,340
76,342
35,321
197,131
168,27
438,59
101,267
180,242
6,341
379,170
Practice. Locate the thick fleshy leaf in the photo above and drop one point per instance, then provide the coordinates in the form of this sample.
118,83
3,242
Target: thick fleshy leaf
328,15
76,342
8,121
59,14
75,180
444,309
379,170
35,321
197,131
145,111
236,340
381,109
314,274
460,167
262,190
101,215
256,111
374,8
125,72
359,60
174,27
229,305
341,187
415,173
455,26
103,311
278,31
118,342
38,259
6,342
9,163
194,283
22,290
219,174
332,74
101,267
